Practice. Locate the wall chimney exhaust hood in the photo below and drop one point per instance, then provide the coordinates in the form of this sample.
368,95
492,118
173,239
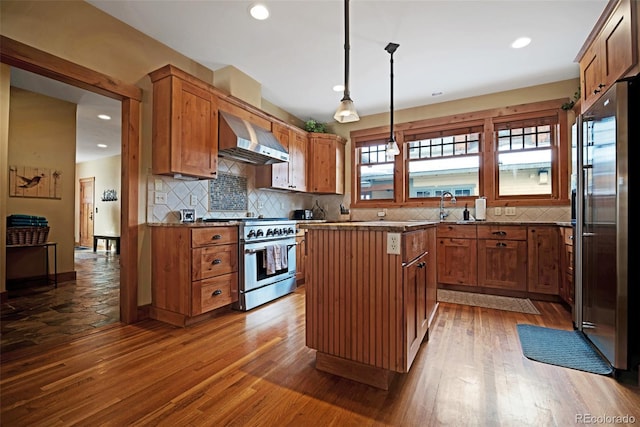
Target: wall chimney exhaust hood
242,141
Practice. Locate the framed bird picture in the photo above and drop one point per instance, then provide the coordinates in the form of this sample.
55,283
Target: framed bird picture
26,181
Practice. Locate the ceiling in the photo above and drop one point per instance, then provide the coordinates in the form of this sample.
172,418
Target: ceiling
458,48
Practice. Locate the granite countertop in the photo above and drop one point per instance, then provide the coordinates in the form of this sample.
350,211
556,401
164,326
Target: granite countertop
393,226
194,224
558,223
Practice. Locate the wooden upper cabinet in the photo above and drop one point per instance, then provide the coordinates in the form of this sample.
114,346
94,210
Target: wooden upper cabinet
612,54
326,164
185,126
289,175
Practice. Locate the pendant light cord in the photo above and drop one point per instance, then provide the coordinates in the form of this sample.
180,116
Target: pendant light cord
347,47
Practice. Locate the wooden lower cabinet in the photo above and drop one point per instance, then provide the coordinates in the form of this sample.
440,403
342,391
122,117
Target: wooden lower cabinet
567,290
543,274
502,257
194,271
457,255
368,311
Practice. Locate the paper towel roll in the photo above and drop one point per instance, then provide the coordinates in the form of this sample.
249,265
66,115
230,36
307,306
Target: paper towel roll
481,209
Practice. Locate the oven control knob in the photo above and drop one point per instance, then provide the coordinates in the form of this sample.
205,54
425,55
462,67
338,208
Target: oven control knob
290,230
269,232
251,234
260,233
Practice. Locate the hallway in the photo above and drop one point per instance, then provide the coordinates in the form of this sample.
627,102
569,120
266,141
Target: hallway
42,314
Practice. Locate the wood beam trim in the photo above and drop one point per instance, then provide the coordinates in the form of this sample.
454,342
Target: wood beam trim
28,58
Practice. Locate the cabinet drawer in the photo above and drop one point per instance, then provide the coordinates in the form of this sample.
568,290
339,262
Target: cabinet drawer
213,261
213,293
414,244
506,232
457,231
213,236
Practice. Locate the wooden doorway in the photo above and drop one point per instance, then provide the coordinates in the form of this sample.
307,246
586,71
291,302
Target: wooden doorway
19,55
87,197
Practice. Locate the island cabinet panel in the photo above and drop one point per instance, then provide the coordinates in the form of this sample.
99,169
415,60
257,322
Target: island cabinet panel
367,311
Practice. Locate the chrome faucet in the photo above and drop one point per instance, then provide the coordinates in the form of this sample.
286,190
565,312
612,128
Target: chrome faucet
444,214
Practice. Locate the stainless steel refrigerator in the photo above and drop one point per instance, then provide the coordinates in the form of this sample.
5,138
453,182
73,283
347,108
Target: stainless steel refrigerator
609,302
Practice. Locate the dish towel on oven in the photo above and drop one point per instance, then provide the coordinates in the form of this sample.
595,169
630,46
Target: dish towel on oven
276,258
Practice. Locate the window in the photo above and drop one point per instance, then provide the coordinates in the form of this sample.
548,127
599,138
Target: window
524,153
375,173
444,161
511,155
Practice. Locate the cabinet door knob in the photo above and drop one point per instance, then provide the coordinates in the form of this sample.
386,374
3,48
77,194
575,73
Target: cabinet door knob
421,264
216,292
216,261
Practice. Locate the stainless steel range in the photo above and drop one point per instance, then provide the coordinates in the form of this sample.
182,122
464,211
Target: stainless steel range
267,261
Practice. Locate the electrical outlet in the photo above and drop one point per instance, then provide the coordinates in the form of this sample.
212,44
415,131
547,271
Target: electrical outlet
510,210
497,211
382,214
158,185
160,198
260,205
193,200
393,243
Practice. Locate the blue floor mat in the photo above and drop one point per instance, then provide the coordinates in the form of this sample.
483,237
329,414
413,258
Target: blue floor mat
570,349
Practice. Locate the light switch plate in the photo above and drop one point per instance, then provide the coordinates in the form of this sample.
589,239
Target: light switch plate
158,185
193,200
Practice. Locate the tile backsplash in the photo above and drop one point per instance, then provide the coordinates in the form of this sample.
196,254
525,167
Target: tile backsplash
167,195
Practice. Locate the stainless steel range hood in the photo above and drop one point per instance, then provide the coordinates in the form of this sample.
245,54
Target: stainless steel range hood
242,141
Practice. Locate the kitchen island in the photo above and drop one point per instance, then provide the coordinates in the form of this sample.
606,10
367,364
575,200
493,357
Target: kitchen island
370,297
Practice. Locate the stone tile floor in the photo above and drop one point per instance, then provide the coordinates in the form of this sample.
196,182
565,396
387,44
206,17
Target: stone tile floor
42,314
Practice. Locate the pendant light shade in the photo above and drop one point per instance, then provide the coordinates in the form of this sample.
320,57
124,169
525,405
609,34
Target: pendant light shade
392,148
346,111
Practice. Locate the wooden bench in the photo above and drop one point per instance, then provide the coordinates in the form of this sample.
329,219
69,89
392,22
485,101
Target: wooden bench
108,240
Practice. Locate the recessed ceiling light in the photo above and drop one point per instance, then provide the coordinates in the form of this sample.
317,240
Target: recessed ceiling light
338,88
259,11
104,117
102,145
521,42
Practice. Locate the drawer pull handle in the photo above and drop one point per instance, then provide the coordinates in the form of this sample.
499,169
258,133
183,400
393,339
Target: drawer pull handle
216,237
216,261
500,233
501,245
216,292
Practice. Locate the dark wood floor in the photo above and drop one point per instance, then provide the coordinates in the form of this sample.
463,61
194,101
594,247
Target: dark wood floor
253,369
37,313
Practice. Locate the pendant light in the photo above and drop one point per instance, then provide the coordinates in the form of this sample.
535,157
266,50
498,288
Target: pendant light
346,111
392,148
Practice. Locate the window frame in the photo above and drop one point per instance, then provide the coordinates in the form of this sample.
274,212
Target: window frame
488,155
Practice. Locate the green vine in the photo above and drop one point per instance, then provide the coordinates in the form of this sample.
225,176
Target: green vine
312,125
569,105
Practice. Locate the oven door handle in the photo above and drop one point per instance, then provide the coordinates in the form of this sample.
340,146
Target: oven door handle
253,251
